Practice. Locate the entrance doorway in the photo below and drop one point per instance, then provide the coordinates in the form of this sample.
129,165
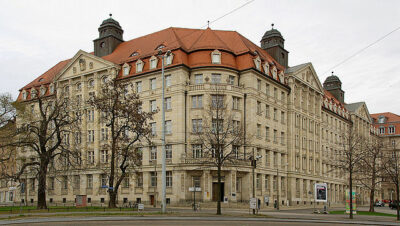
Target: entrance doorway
215,192
152,200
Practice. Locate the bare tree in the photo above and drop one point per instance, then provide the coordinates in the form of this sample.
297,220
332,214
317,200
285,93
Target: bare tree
370,167
41,136
391,166
348,158
7,108
219,134
121,111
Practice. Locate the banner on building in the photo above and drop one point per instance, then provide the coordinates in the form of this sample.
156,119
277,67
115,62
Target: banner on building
348,201
321,192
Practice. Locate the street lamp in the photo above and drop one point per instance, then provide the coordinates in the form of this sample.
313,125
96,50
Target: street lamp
254,165
277,179
163,172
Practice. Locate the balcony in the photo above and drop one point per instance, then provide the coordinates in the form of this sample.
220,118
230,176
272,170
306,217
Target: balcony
208,86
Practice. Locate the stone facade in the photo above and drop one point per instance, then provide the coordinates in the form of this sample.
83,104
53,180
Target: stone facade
294,122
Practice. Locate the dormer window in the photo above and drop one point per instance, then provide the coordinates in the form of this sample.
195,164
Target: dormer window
42,90
41,80
134,54
169,59
266,68
160,47
257,63
24,94
274,72
153,62
33,93
126,68
51,88
281,77
381,119
139,66
216,57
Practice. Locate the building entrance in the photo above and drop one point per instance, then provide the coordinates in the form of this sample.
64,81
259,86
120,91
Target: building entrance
215,192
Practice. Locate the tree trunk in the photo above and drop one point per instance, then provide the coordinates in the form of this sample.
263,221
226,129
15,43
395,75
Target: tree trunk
41,195
371,200
113,199
219,191
397,205
351,194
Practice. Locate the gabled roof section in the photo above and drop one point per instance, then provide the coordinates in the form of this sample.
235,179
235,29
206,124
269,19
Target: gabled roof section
359,107
299,68
76,57
209,40
353,107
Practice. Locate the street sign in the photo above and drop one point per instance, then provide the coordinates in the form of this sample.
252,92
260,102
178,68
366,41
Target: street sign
321,192
193,189
140,206
253,203
12,188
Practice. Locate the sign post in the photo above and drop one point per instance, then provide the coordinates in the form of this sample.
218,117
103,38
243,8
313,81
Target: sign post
253,203
321,194
194,189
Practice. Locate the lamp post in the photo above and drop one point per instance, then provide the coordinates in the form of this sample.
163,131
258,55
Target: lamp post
163,163
254,165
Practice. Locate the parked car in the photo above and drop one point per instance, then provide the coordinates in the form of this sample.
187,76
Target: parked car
379,203
393,205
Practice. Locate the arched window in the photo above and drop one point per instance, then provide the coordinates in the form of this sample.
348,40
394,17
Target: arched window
78,86
91,83
274,72
216,57
266,68
134,54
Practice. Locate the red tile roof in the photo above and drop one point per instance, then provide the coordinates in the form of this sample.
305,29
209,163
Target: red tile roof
191,47
391,120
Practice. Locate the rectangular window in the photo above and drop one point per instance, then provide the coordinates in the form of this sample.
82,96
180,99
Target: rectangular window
258,130
168,127
275,93
197,125
78,137
267,89
153,84
167,80
217,101
283,117
90,136
283,96
258,107
153,153
168,151
235,103
231,79
125,183
266,185
198,79
90,157
77,182
104,156
215,78
139,180
153,105
153,179
169,178
167,103
258,84
91,115
275,136
282,138
103,178
104,134
64,183
275,114
51,183
197,151
267,114
197,101
267,133
235,151
258,181
235,126
138,87
217,125
153,128
89,179
267,158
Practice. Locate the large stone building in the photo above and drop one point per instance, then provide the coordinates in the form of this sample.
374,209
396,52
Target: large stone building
297,122
387,125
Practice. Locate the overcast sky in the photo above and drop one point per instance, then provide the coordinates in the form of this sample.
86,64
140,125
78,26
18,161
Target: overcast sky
35,35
